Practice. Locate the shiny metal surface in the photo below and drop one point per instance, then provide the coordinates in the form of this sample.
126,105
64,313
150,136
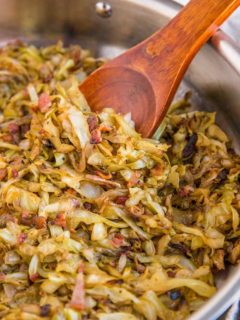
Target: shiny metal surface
103,9
227,48
234,312
214,82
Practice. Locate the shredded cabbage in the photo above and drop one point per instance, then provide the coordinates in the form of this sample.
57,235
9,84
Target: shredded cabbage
97,222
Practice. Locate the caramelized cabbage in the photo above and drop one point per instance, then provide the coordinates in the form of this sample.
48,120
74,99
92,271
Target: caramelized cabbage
95,221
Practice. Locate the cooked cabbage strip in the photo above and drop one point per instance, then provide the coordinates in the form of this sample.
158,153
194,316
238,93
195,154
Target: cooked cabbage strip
97,222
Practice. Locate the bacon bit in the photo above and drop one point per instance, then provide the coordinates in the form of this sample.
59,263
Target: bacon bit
25,93
134,179
78,296
8,138
117,240
14,173
11,138
44,102
171,274
92,121
72,192
157,170
25,214
87,206
105,128
22,237
60,220
13,128
26,218
2,276
3,173
96,136
121,200
34,277
39,222
103,175
43,132
185,191
26,221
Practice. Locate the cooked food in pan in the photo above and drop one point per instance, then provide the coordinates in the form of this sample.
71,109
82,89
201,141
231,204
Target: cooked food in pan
97,222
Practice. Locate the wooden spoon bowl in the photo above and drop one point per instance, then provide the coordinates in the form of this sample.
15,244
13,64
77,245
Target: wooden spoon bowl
124,90
145,78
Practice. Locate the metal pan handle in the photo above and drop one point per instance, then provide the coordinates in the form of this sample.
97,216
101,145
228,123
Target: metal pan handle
233,313
227,48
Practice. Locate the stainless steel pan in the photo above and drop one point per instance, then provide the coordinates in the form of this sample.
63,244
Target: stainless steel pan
212,77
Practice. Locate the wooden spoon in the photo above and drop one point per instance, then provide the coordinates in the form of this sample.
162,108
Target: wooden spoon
145,78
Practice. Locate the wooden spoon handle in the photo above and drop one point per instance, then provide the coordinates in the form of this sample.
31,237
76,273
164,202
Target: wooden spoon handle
144,80
164,57
190,29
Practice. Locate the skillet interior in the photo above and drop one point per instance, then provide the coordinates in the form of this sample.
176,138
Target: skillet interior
214,84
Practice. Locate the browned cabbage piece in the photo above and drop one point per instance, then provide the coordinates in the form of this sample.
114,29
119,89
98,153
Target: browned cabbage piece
95,221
